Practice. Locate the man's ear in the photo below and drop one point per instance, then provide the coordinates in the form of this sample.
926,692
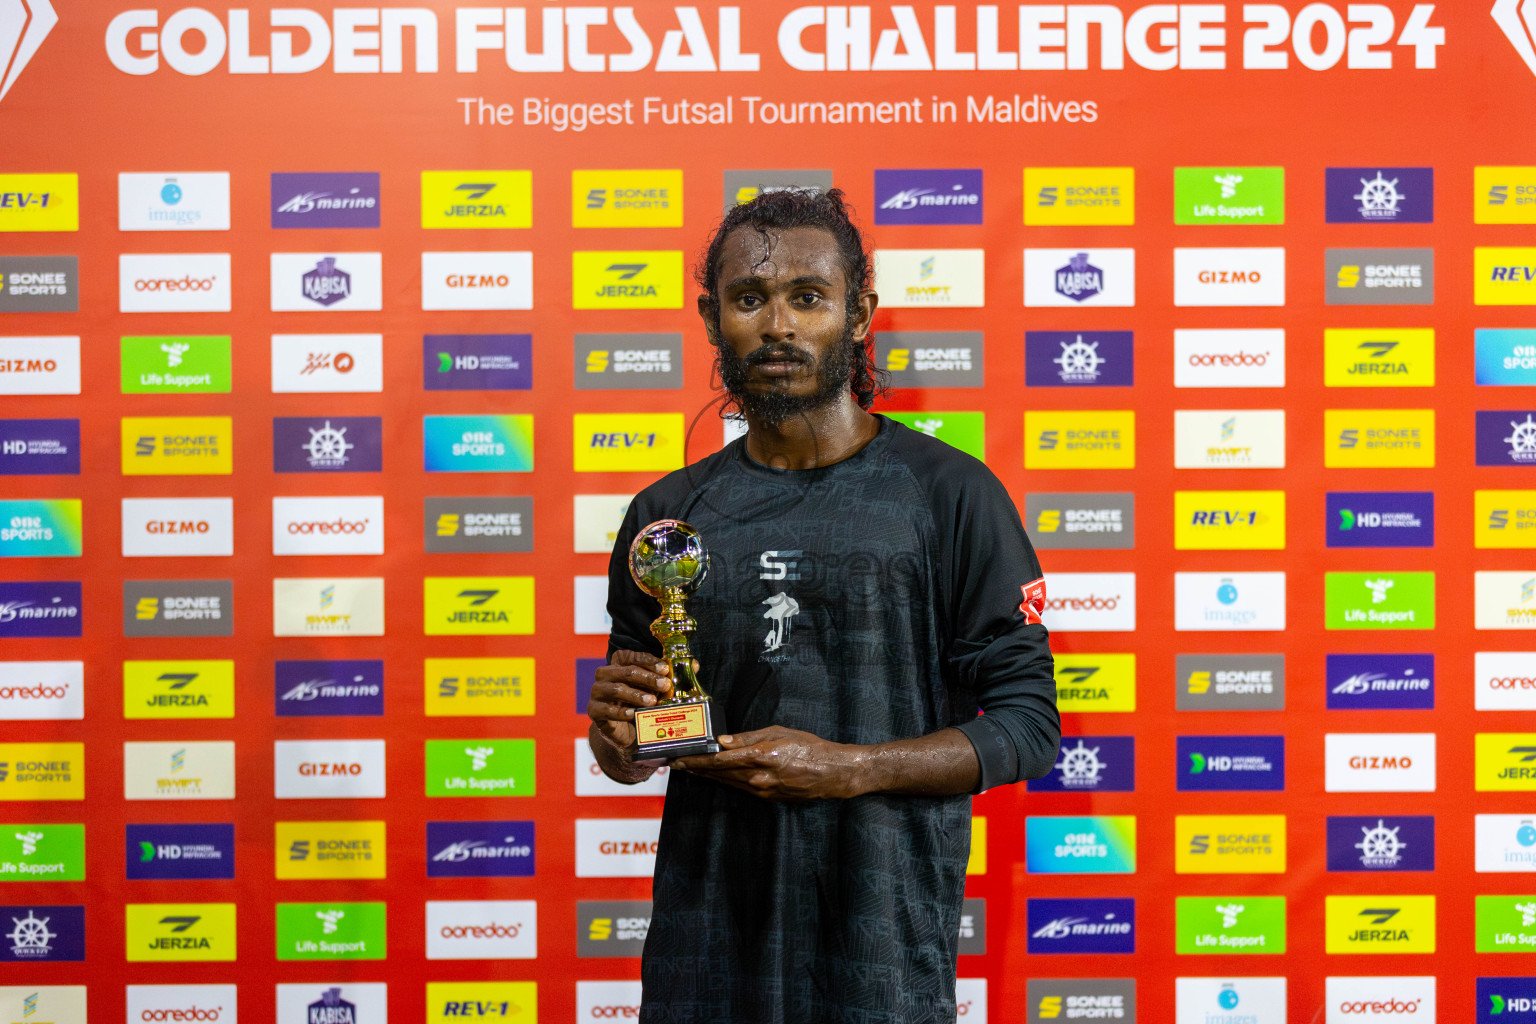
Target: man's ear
707,314
864,315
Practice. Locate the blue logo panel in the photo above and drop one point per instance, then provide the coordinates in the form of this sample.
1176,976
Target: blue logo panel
1231,763
928,197
1088,764
1506,357
477,362
1506,437
40,609
313,689
181,851
1071,359
39,447
1367,682
1099,845
1506,1000
479,849
1381,843
36,934
327,444
1381,519
1081,926
1380,195
329,200
586,675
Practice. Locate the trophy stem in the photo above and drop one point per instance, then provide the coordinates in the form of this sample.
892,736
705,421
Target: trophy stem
672,629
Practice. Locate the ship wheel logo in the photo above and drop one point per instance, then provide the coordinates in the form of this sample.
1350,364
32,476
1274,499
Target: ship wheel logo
1522,442
1379,197
1080,766
30,937
1079,360
1379,846
328,447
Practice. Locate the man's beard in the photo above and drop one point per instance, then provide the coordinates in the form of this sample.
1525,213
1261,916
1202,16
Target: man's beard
833,376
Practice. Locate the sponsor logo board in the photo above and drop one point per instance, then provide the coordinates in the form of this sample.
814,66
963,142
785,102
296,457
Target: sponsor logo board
1505,761
931,359
175,364
1229,844
1505,356
480,849
1093,682
928,196
1229,1001
474,687
331,525
39,284
627,199
476,199
1059,999
1504,680
1229,924
177,446
1077,279
1091,764
179,689
931,278
34,609
331,931
1229,195
179,932
1379,438
39,447
1504,600
1079,358
327,363
174,851
173,282
1236,358
482,929
328,606
1080,845
179,770
1505,842
327,769
327,444
42,934
1090,602
1229,520
1082,926
169,527
178,608
628,361
213,1004
1230,763
1373,357
329,849
1075,196
610,928
42,853
478,444
745,186
477,362
1381,843
1380,519
1230,682
1380,682
616,847
649,279
1206,601
1379,600
179,201
1380,762
39,366
35,202
1379,277
325,200
476,280
1080,439
1229,277
1379,195
326,282
1379,924
465,525
480,767
1094,521
316,689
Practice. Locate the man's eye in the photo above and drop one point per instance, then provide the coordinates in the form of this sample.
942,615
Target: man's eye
749,300
809,298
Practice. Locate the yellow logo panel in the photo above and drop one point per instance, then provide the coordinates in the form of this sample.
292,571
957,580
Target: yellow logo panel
1505,761
1079,195
477,605
1379,438
329,849
1080,439
626,199
652,279
180,932
1504,195
632,442
42,771
1390,357
1229,844
977,865
1504,276
1229,520
457,687
504,1000
177,446
1504,519
476,199
1096,682
1379,924
39,202
178,689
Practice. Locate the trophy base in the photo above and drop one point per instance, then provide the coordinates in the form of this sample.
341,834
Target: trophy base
677,729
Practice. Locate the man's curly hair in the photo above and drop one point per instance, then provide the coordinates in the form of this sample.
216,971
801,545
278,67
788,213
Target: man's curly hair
780,210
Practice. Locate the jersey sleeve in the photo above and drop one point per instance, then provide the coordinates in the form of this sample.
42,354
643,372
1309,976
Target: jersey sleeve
631,609
1000,651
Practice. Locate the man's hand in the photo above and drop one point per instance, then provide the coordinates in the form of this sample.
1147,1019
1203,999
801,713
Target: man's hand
784,764
630,680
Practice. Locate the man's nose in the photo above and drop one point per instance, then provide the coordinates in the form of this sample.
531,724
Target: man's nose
781,320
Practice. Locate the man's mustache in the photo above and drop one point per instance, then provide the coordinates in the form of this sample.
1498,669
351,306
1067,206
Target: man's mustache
776,354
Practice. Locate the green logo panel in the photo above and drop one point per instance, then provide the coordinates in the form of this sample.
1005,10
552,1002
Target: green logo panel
480,768
1230,924
1229,195
176,365
1506,924
330,931
42,853
964,430
1379,600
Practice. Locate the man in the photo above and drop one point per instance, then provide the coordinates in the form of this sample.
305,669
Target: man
863,599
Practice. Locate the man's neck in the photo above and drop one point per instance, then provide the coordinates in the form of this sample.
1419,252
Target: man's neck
812,439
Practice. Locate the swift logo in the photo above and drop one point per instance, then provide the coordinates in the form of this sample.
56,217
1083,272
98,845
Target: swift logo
1515,18
26,28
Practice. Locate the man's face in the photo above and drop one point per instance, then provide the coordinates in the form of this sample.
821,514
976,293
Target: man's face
786,340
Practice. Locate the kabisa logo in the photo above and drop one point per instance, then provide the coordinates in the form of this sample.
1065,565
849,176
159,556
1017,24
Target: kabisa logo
479,444
1079,195
1214,844
1379,762
326,281
178,689
1080,845
1078,999
1381,843
1231,682
25,29
651,279
327,444
330,1008
40,934
1506,437
1229,924
311,689
40,609
329,849
328,200
1079,280
1231,763
1091,764
42,853
1380,519
1081,925
1095,682
494,767
480,849
332,1003
609,928
477,362
180,851
1377,277
1505,842
628,361
627,199
1079,358
180,932
1380,924
1379,357
39,284
1505,761
1380,681
928,197
1501,1000
476,199
326,284
1380,195
39,447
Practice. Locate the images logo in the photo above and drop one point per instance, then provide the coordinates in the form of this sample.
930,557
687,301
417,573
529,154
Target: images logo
41,934
1380,681
328,606
1210,844
180,932
173,202
477,362
1231,682
1380,924
42,853
1075,278
1381,762
180,851
476,199
1087,439
1230,1000
627,280
498,767
1229,601
1379,277
1229,195
1380,195
312,689
1379,843
1231,763
329,849
1374,357
926,278
1364,600
1229,924
1380,519
1081,846
1229,277
1505,842
480,849
39,284
626,199
1095,682
1078,358
479,444
176,365
1229,520
928,197
178,689
333,200
1072,196
331,931
1081,925
1379,438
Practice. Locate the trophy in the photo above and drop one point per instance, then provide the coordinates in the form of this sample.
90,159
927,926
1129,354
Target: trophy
668,561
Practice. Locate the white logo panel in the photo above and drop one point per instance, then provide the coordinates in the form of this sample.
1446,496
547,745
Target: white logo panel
328,526
35,691
1249,1000
616,847
1079,278
40,366
328,606
46,1004
1504,680
482,930
1381,1000
191,282
1379,762
598,518
971,1000
1223,601
1244,358
327,363
208,1004
327,769
173,201
607,1000
370,1000
1090,602
1504,600
592,606
1229,277
931,278
477,280
1229,439
179,771
1505,842
327,282
169,527
590,780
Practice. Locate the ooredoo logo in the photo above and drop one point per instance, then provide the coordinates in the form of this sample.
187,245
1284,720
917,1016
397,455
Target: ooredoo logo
482,929
1381,999
328,526
174,282
1091,601
182,1004
33,691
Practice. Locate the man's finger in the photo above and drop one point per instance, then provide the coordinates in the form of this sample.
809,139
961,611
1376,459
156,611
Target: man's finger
644,659
746,739
618,692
